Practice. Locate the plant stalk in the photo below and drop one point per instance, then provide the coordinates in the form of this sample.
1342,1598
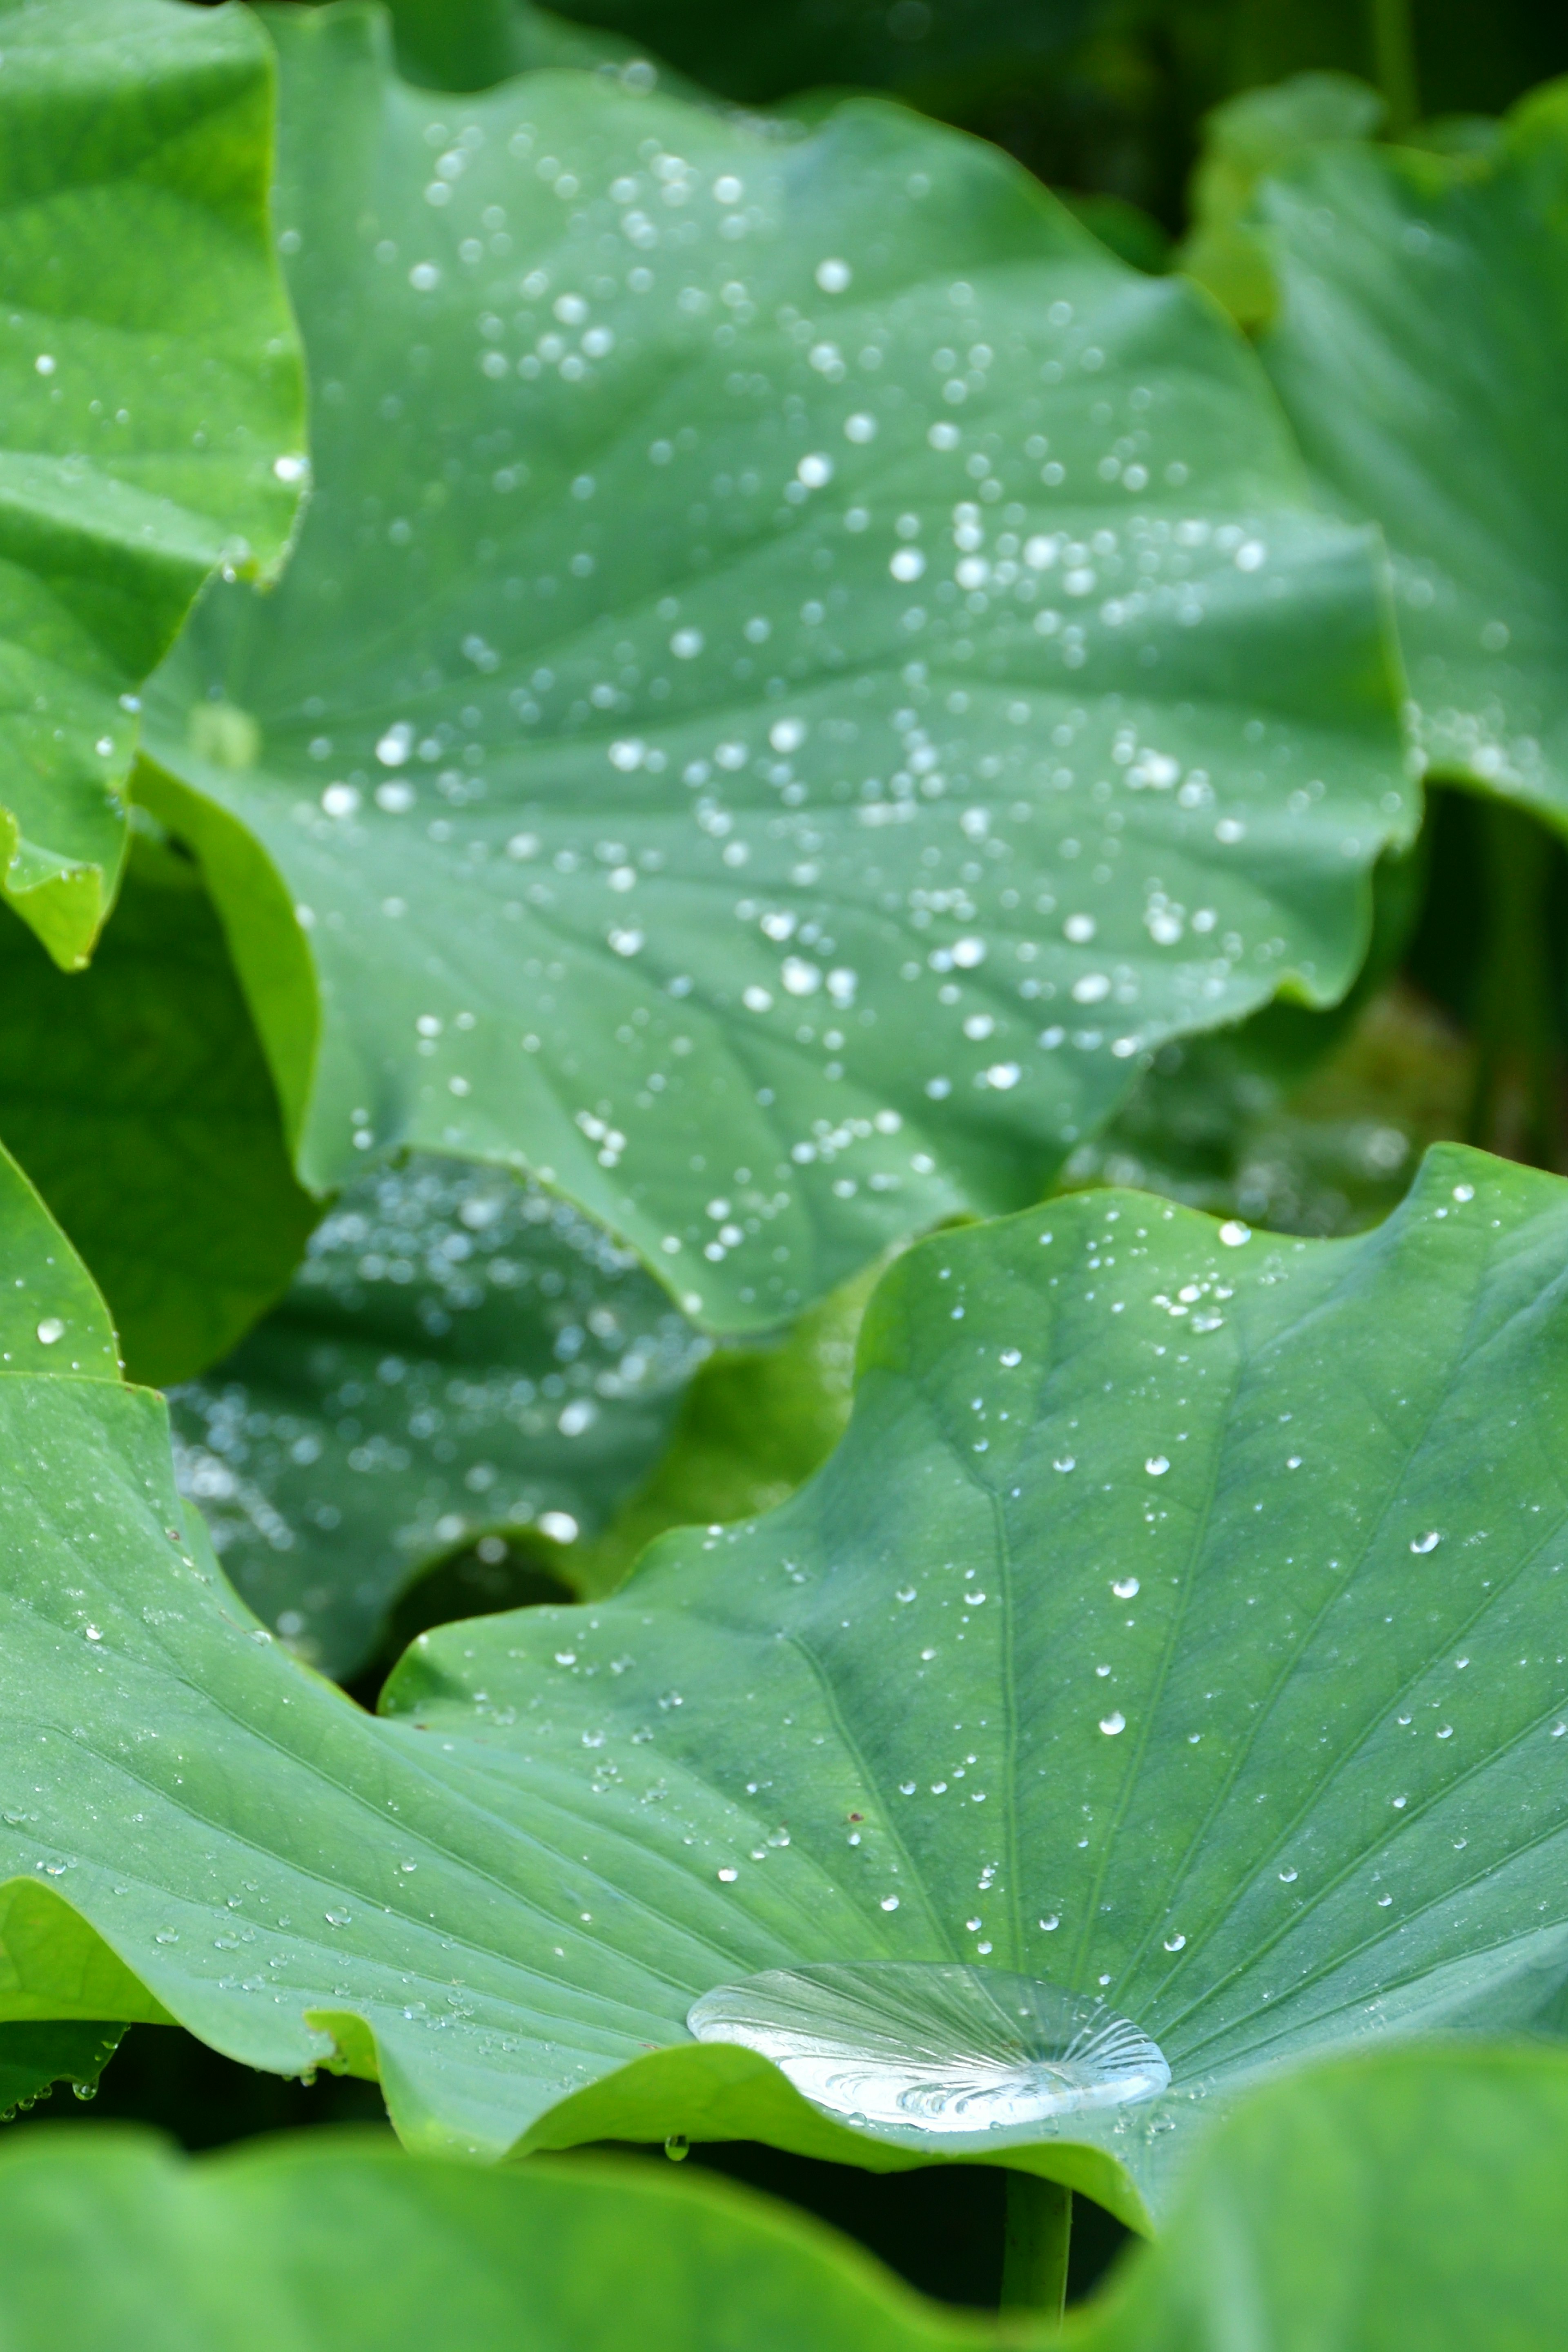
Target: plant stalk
1516,1109
1035,2249
1393,64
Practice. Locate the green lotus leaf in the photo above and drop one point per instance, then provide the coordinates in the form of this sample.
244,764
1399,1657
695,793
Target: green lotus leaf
154,413
799,671
34,2058
1245,139
139,1101
1418,350
1173,1628
336,2243
459,1356
51,1316
1413,2198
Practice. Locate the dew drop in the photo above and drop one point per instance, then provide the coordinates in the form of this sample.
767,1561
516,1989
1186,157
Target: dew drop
919,2051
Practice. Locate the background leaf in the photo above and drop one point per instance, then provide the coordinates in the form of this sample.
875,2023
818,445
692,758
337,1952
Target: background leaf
770,901
754,1424
1294,1788
466,45
459,1355
136,1096
154,405
1419,351
845,43
33,2058
1245,140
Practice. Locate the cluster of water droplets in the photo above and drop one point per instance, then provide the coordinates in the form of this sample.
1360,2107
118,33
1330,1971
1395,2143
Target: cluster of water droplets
860,795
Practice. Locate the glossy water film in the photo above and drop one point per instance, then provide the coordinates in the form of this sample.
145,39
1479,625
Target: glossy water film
924,2049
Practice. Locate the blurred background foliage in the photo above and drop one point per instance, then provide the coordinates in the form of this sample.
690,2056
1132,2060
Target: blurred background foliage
1102,99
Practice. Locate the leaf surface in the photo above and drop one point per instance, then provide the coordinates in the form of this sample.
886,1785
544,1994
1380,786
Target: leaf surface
152,398
459,1355
138,1099
800,669
33,2058
1254,1732
1419,351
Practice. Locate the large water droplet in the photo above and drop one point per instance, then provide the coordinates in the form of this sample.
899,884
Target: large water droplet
918,2051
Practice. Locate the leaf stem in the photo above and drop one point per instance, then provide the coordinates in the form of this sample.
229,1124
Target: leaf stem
1035,2249
1516,1109
1393,63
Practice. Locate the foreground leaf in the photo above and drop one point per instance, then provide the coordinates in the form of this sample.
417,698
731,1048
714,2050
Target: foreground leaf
139,1101
1174,1624
459,1356
152,397
1419,352
334,2243
1413,2198
973,703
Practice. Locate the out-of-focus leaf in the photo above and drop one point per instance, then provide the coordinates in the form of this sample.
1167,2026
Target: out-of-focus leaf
793,45
468,45
459,1356
1419,351
1304,1121
1129,231
335,2242
1415,2197
153,403
974,704
1222,1125
1245,140
138,1099
756,1423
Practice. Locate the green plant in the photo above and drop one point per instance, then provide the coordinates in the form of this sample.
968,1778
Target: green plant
795,704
